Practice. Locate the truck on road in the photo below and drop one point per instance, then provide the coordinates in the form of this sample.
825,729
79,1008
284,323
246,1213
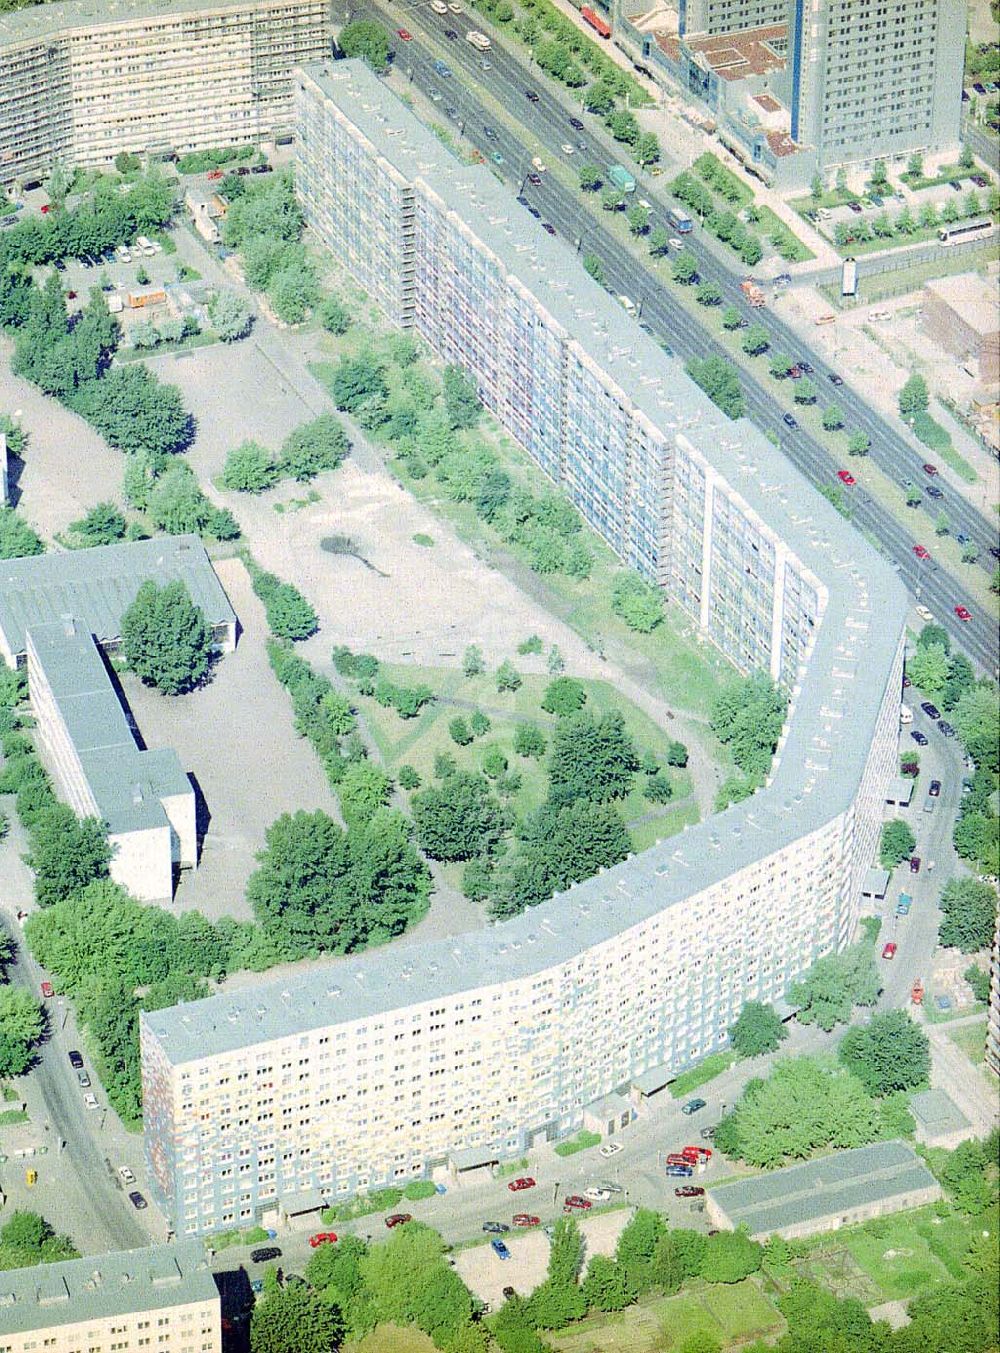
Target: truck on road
753,293
621,178
679,220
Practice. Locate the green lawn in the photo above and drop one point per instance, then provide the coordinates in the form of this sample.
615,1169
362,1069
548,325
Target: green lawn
393,1339
971,1038
917,1250
699,1075
417,741
662,1324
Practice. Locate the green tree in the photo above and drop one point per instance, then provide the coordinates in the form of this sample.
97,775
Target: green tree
730,1257
593,265
780,365
913,397
887,1054
294,1319
637,219
472,661
313,447
293,290
858,443
731,318
590,177
368,39
685,268
591,758
748,716
357,381
833,985
832,418
165,638
319,889
757,1030
458,819
805,391
720,381
564,695
362,790
977,720
66,853
529,741
461,398
659,241
970,910
334,315
637,1246
249,468
16,537
289,614
230,316
639,603
679,1255
646,149
816,187
928,668
606,1286
508,677
897,843
755,340
458,731
133,411
22,1024
103,525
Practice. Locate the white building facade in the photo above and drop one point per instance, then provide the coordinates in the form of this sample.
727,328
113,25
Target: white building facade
383,1067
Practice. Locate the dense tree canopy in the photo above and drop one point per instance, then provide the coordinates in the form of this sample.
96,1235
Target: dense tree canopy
887,1054
591,758
747,717
460,818
293,1319
66,853
165,638
970,912
757,1030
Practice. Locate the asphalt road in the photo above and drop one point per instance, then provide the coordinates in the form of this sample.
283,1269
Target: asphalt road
96,1208
560,206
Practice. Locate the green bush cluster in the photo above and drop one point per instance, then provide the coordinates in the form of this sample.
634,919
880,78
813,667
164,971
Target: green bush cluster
289,614
201,161
321,714
307,451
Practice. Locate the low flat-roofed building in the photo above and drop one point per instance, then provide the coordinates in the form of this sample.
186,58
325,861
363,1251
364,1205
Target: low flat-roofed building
960,314
822,1195
164,1297
96,587
56,614
940,1122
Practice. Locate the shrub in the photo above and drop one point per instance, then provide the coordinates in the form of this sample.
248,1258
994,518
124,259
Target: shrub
638,603
249,468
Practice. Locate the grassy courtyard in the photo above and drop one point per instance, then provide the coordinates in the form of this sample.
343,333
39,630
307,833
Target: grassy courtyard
416,742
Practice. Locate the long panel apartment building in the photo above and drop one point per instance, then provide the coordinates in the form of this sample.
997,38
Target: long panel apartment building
382,1067
163,1298
81,81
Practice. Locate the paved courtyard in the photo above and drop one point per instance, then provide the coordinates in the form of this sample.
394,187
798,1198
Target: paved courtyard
237,739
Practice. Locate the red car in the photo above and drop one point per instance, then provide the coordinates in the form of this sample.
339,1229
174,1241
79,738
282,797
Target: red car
516,1185
404,34
921,551
689,1191
213,174
696,1153
846,477
677,1158
45,210
525,1219
397,1219
48,990
963,612
323,1238
574,1200
930,469
889,951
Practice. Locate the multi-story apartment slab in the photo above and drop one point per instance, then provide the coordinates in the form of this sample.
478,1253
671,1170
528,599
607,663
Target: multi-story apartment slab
56,614
163,1298
381,1067
81,81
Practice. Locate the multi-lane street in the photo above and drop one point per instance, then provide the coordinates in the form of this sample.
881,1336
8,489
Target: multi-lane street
459,97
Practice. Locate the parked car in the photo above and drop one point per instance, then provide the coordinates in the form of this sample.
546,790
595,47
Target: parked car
904,904
549,229
574,1200
451,35
934,491
708,1133
84,1079
834,379
919,738
934,789
398,1219
265,1254
405,34
696,1153
855,207
689,1191
525,1219
945,728
930,710
90,1099
137,1200
323,1238
516,1185
597,1195
611,1149
508,1292
609,1187
576,124
692,1106
495,1228
532,97
500,1249
535,180
846,477
75,1059
48,990
680,1171
931,469
889,951
915,864
125,1174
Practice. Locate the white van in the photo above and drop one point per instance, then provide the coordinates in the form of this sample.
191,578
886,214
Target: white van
439,7
627,304
905,714
479,40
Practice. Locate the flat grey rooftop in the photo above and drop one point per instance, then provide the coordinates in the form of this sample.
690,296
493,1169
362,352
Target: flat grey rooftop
123,1283
43,20
96,587
127,783
938,1114
823,1188
834,710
